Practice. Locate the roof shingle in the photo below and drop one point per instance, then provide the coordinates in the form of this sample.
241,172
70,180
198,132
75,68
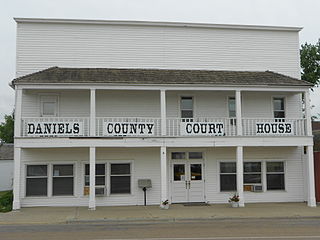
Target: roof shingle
56,75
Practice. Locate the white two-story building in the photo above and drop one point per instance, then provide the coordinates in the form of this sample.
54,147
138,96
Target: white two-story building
201,110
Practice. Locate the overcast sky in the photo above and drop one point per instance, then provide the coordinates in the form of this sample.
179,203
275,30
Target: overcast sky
302,13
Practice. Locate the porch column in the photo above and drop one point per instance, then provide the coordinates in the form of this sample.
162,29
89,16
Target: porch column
238,113
16,179
163,112
308,113
163,167
310,178
240,175
17,151
92,112
92,192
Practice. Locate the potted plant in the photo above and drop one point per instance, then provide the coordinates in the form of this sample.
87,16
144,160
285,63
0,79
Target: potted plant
234,200
165,204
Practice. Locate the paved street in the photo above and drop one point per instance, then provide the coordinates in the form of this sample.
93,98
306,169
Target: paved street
237,229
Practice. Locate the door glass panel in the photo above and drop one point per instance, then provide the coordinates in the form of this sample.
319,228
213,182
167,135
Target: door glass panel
195,172
179,172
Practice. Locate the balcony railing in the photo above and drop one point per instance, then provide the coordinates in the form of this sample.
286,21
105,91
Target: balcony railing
128,127
273,127
151,127
55,127
177,127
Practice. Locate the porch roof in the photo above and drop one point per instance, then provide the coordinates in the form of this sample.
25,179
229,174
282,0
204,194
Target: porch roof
57,75
6,151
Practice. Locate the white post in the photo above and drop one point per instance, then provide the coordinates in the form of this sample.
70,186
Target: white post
310,178
92,192
240,175
16,179
17,151
92,112
163,167
163,113
17,113
238,113
308,112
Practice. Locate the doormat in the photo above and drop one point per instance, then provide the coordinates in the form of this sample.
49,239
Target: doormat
196,204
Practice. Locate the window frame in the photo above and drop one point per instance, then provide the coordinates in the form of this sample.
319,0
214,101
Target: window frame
120,175
105,186
284,175
74,177
253,173
180,106
219,175
284,106
33,177
49,98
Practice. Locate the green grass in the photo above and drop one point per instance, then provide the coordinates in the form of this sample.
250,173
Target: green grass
6,198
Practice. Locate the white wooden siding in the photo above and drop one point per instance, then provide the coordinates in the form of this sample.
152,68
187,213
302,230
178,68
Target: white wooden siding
43,45
128,104
147,103
6,175
146,164
71,103
294,178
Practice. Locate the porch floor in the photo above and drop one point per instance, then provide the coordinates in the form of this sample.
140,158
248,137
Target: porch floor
177,212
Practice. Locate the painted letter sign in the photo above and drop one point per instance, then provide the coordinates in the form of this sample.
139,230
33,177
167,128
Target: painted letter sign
128,129
201,129
274,128
54,128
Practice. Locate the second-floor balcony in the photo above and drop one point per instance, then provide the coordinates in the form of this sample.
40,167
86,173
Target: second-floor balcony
155,127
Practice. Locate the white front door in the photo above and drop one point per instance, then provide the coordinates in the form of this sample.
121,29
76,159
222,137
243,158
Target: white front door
187,181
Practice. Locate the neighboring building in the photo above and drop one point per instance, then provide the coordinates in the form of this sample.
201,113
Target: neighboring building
6,166
316,135
201,110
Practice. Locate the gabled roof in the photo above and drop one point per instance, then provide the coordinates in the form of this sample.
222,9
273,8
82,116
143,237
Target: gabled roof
6,151
57,75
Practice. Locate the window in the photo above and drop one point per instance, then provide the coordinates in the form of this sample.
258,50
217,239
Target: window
228,176
186,106
37,180
120,178
49,105
62,180
275,176
278,107
100,175
232,107
195,155
252,173
178,155
232,110
179,172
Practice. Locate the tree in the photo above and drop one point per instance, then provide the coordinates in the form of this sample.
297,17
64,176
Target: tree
310,62
7,129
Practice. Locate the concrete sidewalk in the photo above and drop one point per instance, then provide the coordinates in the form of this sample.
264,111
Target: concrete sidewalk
177,212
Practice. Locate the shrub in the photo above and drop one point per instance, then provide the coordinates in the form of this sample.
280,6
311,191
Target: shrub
6,200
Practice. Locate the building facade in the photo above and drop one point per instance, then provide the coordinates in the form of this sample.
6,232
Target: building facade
6,166
201,111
